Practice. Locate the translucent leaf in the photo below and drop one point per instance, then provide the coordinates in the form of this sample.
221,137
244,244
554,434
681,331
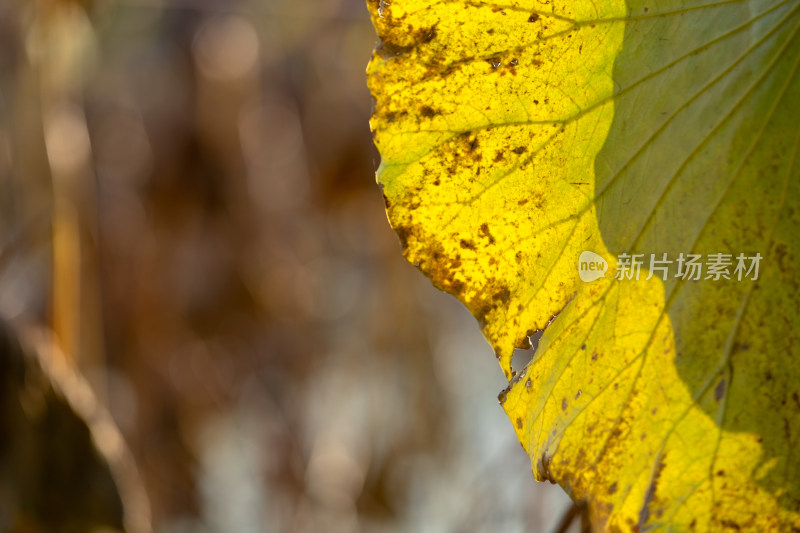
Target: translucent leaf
515,137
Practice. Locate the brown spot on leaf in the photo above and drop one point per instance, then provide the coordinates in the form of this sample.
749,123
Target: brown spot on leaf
426,35
719,390
739,347
427,111
533,18
389,48
502,295
649,497
543,468
398,39
472,144
391,116
469,244
502,396
403,233
519,423
457,286
484,232
481,314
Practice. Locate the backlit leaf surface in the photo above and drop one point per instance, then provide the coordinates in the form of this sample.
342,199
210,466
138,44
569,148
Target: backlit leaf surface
516,136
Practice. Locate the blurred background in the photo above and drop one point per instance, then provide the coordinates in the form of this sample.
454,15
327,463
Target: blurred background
207,323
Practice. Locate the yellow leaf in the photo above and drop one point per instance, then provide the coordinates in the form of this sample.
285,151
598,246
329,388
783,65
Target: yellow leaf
516,137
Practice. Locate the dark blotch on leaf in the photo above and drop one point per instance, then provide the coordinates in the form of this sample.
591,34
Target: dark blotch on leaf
644,512
391,116
473,144
484,232
502,396
395,43
503,295
427,35
544,469
457,286
388,49
427,111
533,18
719,390
403,233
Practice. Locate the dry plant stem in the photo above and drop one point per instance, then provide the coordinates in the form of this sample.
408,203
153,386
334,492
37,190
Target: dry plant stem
68,383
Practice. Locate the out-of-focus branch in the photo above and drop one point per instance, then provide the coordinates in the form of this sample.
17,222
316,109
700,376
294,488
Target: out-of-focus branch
62,53
577,511
47,405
